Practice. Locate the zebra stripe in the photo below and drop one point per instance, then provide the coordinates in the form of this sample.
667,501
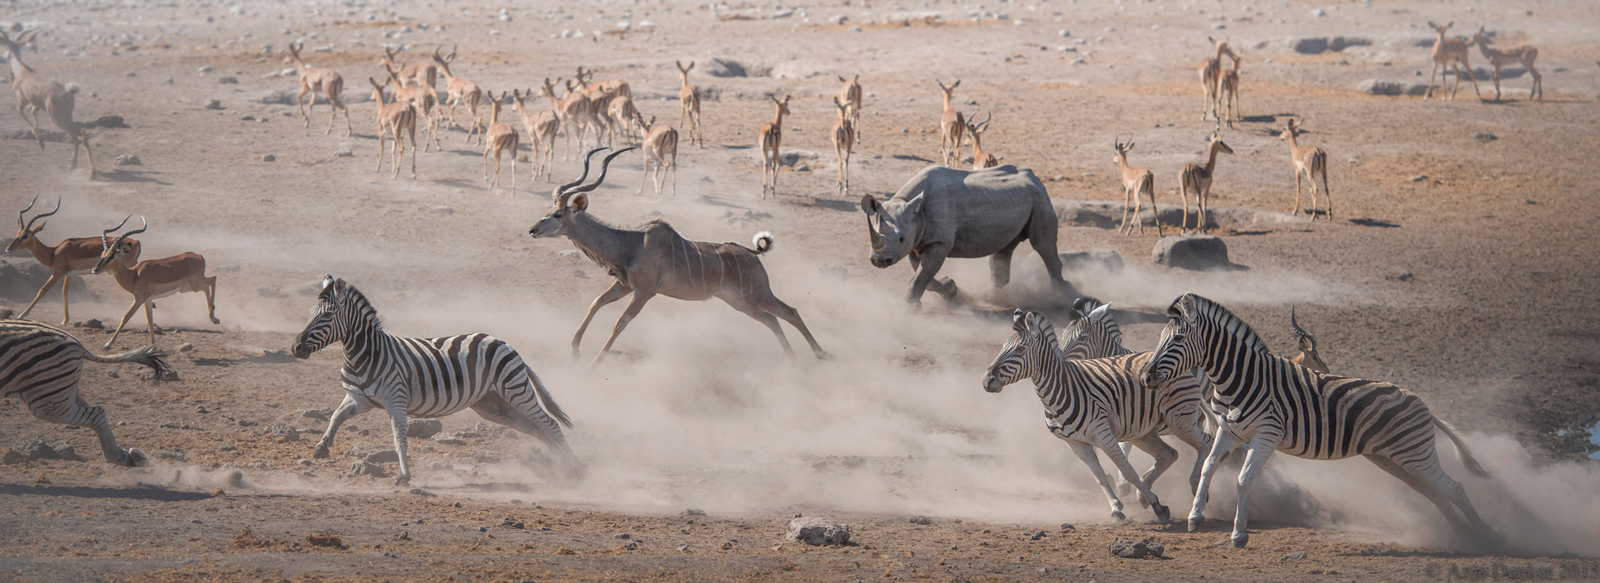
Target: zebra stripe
1274,404
43,365
425,377
1088,403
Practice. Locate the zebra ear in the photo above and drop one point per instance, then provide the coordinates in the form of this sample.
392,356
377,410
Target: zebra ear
1019,321
1101,311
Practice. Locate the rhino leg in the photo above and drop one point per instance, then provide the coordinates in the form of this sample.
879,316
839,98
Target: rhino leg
932,259
1000,265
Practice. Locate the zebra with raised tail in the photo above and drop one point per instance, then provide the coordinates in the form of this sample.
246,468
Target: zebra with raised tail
43,365
1088,403
425,377
1273,404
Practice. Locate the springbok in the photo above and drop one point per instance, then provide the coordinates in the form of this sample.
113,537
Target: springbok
36,92
423,74
324,81
851,95
1524,55
1451,53
152,278
1229,88
771,139
1312,162
689,97
499,138
1135,181
980,158
951,126
395,117
71,257
1196,178
542,126
1308,356
569,109
844,140
422,100
462,92
1210,75
657,260
661,145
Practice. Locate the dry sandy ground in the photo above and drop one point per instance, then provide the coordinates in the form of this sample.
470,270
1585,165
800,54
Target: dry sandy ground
1473,287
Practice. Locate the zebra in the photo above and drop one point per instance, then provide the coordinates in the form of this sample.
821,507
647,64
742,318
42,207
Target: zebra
1088,404
42,364
425,377
1091,332
1274,404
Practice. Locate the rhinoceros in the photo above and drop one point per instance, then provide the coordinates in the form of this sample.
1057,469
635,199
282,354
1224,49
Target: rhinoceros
944,212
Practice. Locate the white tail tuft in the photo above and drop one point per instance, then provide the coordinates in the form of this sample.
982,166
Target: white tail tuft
763,242
72,88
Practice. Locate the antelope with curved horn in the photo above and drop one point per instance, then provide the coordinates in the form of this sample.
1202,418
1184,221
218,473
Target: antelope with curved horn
980,158
851,95
36,92
689,97
314,80
570,108
623,114
398,119
658,261
1135,181
1524,55
71,257
1229,88
1312,162
422,101
1452,54
951,126
844,140
542,126
599,106
771,139
462,92
152,278
1210,74
499,138
423,74
661,145
1308,356
1196,178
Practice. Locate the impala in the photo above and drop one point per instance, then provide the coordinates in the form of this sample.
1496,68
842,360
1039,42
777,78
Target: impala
1452,54
152,278
422,100
661,145
424,74
771,139
850,94
571,109
65,259
980,158
951,126
314,81
689,97
37,92
1210,73
1524,55
462,92
1135,181
844,140
542,126
499,138
1196,178
394,118
1312,162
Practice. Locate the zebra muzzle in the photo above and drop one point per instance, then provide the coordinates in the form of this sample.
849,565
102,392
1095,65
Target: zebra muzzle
992,383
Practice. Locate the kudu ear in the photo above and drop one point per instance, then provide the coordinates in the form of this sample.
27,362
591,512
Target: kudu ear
869,205
579,202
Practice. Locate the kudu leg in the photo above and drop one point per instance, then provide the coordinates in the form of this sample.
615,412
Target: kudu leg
792,316
612,294
639,299
764,318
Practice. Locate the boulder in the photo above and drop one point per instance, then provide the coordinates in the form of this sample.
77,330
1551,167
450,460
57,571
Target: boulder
1107,260
818,532
21,277
423,428
1193,252
39,449
1130,549
386,456
723,68
1310,46
364,468
1381,87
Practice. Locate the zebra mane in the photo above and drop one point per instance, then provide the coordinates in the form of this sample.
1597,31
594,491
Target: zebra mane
1225,321
1036,323
352,299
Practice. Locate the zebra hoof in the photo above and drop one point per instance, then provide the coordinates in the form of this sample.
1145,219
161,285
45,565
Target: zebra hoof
320,453
1118,517
1162,513
1194,523
1241,539
134,458
403,480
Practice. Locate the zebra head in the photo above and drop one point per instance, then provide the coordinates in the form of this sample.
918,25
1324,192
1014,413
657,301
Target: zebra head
1021,355
1091,332
325,326
1179,349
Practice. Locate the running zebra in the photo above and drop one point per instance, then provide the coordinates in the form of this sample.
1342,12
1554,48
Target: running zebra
1273,404
425,377
1088,403
1091,332
42,365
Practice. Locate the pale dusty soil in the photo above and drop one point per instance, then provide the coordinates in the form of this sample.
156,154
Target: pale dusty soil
1474,288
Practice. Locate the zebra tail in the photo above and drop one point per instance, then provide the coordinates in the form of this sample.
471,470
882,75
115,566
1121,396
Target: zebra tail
550,405
1461,446
148,356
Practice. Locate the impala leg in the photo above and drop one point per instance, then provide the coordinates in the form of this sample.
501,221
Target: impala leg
1497,84
150,322
1327,194
137,301
66,311
1472,77
1183,193
299,101
1428,94
48,283
1124,223
211,299
1295,210
644,177
639,299
1155,213
380,148
674,168
412,133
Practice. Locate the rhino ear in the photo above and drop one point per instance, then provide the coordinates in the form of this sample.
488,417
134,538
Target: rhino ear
915,204
869,205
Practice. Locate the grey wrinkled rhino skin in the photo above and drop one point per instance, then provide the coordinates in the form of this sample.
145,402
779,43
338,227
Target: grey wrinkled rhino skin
944,212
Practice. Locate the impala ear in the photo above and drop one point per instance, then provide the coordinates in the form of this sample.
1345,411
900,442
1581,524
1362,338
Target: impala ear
579,202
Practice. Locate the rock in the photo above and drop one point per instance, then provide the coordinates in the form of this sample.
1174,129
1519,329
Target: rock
449,441
214,104
14,457
1380,87
1417,89
185,347
1318,12
1484,136
324,540
284,431
1419,178
1310,46
1039,534
347,153
91,324
922,520
1068,527
127,160
423,428
817,532
730,68
205,68
1194,252
39,449
150,375
622,535
693,512
1129,549
228,81
21,277
269,158
386,456
1106,260
1340,43
362,468
7,313
510,522
1291,557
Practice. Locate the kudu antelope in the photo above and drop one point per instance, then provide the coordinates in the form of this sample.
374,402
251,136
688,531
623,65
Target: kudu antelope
424,74
542,126
1229,88
951,126
980,158
661,145
1524,55
1312,162
851,96
422,100
1451,54
1196,178
36,92
1307,341
399,119
499,138
658,261
571,109
461,92
844,140
71,257
314,81
152,278
1135,181
1210,76
689,97
771,139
